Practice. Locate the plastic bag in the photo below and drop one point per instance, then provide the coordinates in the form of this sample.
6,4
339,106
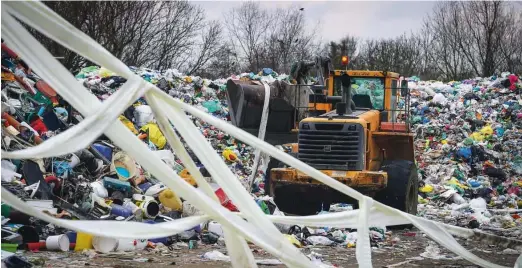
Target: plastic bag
9,171
212,106
154,135
216,256
104,72
293,240
128,124
143,115
319,240
486,131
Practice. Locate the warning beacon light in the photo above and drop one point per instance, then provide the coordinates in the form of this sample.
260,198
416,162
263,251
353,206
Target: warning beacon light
344,60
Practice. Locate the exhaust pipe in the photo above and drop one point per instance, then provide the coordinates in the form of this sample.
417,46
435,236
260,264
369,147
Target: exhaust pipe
347,105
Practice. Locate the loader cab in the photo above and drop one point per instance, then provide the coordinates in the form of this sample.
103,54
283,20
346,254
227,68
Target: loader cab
374,90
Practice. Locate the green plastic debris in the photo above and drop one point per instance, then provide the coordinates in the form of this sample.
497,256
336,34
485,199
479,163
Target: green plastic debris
212,106
263,207
87,70
468,141
459,175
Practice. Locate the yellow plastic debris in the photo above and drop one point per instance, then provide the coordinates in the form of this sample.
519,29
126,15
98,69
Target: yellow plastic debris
454,181
426,188
422,200
188,79
128,124
486,131
154,134
229,155
169,199
293,240
185,174
444,141
105,72
83,241
8,76
477,136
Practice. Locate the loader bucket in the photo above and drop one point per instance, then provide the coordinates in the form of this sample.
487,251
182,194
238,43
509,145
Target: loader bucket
313,198
245,102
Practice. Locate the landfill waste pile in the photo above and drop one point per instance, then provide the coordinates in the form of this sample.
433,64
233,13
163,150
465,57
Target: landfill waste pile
468,149
469,152
102,182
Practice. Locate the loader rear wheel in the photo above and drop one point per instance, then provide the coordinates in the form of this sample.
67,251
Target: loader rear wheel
403,186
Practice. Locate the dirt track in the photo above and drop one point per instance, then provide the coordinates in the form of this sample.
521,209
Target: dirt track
405,253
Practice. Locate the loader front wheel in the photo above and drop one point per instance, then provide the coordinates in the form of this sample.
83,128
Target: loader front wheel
403,186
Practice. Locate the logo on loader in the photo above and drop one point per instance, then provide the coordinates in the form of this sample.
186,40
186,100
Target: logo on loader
327,148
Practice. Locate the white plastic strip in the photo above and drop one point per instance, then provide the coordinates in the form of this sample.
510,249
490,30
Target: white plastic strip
260,135
363,250
239,252
44,20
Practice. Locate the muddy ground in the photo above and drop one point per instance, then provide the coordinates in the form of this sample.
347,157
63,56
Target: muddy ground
408,251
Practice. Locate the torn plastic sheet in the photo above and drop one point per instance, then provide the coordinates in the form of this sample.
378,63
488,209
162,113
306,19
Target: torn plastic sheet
55,27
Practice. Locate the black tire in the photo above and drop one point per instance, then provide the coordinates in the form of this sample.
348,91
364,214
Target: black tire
403,186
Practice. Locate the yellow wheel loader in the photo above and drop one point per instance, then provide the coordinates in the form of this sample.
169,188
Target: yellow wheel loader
365,142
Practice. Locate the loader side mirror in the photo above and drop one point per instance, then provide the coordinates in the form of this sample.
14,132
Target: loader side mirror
404,88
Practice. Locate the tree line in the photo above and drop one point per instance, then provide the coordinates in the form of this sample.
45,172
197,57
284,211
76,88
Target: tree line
458,39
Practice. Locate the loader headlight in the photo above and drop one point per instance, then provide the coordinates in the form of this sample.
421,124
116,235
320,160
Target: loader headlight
305,126
352,127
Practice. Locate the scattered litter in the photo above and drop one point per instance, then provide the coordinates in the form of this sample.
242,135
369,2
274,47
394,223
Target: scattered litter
218,256
511,251
432,251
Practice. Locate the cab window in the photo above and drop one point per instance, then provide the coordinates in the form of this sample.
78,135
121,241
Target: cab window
369,91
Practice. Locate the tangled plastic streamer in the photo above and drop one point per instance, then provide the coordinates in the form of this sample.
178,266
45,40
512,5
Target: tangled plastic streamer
252,225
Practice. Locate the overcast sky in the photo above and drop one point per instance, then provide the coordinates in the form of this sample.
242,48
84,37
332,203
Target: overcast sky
336,19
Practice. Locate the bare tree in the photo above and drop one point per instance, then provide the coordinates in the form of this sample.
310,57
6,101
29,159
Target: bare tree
141,34
224,63
511,46
473,38
347,46
175,36
159,35
247,25
274,40
482,31
290,31
209,47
